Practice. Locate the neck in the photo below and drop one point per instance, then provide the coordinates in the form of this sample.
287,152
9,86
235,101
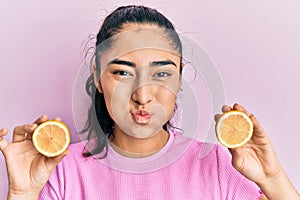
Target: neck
130,146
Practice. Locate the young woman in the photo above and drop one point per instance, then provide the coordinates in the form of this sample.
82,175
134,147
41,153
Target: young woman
136,154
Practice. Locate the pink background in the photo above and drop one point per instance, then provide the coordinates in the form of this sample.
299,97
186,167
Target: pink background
255,44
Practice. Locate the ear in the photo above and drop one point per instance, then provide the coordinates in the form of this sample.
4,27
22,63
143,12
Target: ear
97,80
181,69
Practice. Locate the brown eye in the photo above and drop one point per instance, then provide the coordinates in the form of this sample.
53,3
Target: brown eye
162,75
122,73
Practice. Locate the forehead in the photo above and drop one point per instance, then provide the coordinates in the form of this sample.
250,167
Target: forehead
145,56
132,40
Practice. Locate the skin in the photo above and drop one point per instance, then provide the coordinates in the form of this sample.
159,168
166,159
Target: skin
28,171
126,92
257,161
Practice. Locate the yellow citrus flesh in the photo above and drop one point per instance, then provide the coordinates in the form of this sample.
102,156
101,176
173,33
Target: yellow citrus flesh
234,129
51,138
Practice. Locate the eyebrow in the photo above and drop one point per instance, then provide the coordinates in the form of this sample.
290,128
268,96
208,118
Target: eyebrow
162,63
122,62
152,64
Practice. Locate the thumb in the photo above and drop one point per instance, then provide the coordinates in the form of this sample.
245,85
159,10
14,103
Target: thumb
53,162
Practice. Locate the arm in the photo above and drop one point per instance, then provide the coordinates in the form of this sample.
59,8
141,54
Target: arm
257,161
279,187
28,170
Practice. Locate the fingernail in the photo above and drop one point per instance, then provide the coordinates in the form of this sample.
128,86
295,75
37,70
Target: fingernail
33,125
215,117
235,104
44,116
232,150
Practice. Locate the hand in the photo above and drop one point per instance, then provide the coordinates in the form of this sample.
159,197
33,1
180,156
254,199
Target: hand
28,170
257,161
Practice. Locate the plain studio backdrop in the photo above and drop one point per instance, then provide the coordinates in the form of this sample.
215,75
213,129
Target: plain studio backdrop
254,44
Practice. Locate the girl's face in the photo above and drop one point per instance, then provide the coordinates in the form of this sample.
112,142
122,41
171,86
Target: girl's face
140,85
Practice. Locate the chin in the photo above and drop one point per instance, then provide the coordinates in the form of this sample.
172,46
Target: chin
144,133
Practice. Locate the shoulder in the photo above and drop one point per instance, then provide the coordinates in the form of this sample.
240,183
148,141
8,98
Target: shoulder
203,150
213,162
201,155
68,174
72,165
76,150
75,158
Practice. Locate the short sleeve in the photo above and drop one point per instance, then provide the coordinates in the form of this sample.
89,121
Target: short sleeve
233,184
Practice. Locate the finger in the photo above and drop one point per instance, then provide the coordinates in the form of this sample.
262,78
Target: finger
21,132
3,132
217,117
226,108
41,119
58,119
53,162
3,142
258,129
239,107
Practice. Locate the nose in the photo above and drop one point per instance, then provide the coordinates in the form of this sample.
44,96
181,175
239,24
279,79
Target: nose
143,95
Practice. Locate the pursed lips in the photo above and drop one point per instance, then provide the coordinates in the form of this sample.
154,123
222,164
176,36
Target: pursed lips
141,116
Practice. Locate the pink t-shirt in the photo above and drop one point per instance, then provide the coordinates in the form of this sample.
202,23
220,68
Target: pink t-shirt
178,171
